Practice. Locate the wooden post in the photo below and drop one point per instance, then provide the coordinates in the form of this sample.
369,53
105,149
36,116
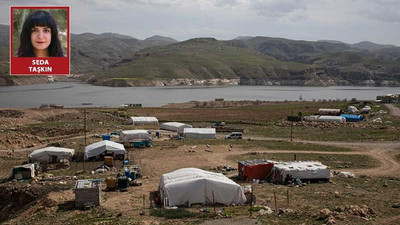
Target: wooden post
144,204
84,120
276,206
291,129
215,212
288,199
251,201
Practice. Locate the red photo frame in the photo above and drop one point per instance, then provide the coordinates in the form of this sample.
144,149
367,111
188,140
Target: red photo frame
40,65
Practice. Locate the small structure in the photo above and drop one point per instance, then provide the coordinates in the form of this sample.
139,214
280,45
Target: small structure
352,109
87,193
192,185
330,112
254,169
352,118
175,126
26,171
325,119
200,133
283,172
130,135
51,154
101,148
140,120
389,98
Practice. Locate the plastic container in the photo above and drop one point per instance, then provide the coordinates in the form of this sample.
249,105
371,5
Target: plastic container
111,183
133,175
127,173
106,137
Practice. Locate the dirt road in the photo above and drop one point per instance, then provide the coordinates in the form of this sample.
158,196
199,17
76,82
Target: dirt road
394,111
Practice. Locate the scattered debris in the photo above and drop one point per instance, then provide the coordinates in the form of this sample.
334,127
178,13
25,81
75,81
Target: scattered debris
344,174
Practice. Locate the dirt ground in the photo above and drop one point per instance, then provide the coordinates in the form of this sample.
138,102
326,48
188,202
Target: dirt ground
17,142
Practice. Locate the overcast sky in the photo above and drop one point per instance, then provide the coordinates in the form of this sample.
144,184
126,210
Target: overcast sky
350,21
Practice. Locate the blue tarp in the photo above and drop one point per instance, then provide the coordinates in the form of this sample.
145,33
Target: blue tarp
352,118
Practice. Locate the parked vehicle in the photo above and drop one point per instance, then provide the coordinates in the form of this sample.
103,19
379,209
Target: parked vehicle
234,135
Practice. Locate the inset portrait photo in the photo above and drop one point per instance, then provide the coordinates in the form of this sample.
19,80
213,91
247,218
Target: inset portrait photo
39,40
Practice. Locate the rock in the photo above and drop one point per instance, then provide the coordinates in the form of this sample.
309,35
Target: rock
324,213
337,195
385,184
340,209
266,211
330,221
396,205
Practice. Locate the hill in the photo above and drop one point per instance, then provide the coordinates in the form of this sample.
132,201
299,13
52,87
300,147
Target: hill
121,60
96,52
204,58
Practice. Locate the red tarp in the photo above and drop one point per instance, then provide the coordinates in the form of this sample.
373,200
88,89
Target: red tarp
254,171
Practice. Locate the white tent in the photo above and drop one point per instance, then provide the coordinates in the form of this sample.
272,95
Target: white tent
51,154
199,133
192,185
303,170
140,120
339,119
98,148
175,126
128,135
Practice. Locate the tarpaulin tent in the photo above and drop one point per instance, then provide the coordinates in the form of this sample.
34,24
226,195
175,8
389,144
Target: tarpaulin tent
26,171
254,169
200,133
333,112
303,170
192,185
175,126
339,119
128,135
51,154
141,120
352,118
98,148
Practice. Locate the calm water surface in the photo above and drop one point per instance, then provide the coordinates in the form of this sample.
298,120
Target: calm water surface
72,94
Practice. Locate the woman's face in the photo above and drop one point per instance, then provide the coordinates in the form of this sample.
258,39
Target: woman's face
40,37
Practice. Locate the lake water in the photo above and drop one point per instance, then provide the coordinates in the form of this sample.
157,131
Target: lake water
72,94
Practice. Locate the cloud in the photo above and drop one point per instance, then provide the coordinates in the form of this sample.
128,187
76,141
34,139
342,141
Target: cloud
225,3
384,10
277,9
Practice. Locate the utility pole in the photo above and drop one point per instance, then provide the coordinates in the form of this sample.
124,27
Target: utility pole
291,129
84,121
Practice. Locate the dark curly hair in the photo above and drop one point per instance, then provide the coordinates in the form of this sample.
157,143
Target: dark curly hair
42,19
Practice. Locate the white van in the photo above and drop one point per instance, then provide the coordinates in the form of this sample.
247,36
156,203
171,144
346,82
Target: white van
234,135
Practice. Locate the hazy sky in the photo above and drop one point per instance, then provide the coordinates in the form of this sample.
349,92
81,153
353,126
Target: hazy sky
344,20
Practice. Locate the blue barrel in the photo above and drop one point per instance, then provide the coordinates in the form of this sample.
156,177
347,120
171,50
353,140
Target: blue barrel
127,173
133,175
106,137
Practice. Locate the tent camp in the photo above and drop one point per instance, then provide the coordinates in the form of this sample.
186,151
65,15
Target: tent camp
140,120
174,126
254,169
192,185
129,135
102,147
303,170
51,154
199,133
